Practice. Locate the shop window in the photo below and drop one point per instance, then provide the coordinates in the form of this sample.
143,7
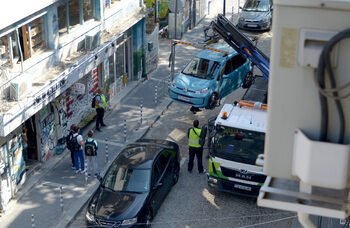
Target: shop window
110,3
111,69
78,11
120,61
31,40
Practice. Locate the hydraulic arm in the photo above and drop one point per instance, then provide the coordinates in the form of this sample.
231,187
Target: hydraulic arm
241,43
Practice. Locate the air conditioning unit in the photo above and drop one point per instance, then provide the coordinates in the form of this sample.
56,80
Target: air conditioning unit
92,40
20,87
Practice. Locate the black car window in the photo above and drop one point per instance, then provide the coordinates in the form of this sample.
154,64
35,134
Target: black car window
237,61
228,67
162,162
155,174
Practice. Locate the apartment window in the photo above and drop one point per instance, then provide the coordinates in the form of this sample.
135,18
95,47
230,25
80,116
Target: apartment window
120,61
30,40
73,13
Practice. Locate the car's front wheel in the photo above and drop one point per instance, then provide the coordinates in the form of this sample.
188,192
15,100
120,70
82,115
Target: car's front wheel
148,218
212,101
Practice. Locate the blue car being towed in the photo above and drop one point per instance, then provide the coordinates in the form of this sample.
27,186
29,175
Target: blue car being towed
210,76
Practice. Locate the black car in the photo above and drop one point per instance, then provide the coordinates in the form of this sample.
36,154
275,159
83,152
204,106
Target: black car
135,185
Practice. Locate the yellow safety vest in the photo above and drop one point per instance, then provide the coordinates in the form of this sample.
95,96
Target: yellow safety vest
193,139
104,103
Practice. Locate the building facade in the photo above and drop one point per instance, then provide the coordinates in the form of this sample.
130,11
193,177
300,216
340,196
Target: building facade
54,55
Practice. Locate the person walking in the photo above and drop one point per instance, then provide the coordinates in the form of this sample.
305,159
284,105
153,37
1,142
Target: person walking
100,106
91,148
69,144
195,148
78,150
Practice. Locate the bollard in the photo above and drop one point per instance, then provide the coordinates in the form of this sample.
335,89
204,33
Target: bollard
61,198
106,151
156,94
33,223
86,170
233,8
141,111
124,130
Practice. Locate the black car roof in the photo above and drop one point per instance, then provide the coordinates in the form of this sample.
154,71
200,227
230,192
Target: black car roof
142,153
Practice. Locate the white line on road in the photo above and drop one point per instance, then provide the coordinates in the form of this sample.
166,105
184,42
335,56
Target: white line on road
182,162
110,142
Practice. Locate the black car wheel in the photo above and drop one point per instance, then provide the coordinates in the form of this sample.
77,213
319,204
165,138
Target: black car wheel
176,173
249,80
212,101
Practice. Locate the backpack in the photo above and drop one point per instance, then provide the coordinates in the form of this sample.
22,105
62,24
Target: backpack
74,145
93,102
68,140
90,148
201,136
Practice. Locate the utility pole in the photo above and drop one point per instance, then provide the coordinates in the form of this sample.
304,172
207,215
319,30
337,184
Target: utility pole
224,9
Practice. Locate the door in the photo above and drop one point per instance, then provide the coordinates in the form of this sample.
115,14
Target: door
226,79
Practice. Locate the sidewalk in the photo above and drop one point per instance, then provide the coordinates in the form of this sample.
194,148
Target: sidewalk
40,196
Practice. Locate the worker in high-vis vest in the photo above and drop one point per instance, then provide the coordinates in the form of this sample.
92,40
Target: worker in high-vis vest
100,106
195,148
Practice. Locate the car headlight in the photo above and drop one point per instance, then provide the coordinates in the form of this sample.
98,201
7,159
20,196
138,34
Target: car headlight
203,91
129,221
173,84
265,19
89,216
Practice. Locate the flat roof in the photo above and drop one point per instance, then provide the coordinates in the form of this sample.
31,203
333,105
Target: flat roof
243,117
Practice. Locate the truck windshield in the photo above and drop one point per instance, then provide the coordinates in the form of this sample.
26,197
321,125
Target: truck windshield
238,145
202,68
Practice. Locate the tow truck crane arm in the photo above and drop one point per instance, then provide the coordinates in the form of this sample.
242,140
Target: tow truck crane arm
241,43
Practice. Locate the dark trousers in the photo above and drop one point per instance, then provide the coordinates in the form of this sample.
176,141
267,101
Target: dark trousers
99,118
72,157
198,152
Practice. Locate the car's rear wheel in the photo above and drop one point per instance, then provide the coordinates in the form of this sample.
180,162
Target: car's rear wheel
212,101
176,174
249,80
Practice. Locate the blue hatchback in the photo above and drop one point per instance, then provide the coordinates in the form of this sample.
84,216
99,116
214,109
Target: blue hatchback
210,76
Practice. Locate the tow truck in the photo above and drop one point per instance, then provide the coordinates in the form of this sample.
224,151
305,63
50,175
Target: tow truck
237,135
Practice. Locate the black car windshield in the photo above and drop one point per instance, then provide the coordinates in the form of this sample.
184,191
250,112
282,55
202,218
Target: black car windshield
256,5
202,68
127,180
238,145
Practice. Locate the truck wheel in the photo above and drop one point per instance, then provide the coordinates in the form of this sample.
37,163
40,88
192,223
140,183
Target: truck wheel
249,80
212,101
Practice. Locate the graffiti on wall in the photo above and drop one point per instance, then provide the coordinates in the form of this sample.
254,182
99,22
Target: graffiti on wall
47,128
73,105
18,164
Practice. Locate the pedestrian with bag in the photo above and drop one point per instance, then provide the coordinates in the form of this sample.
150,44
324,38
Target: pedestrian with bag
91,148
196,140
100,105
78,143
69,144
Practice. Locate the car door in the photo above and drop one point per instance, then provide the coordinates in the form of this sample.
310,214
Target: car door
226,79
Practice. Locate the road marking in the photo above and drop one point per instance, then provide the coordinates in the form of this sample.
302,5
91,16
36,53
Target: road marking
110,142
182,162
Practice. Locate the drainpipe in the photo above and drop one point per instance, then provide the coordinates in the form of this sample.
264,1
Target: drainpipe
175,21
20,49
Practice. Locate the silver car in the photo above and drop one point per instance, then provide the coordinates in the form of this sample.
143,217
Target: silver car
256,15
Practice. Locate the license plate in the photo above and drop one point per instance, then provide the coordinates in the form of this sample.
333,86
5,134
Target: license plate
253,26
183,98
246,188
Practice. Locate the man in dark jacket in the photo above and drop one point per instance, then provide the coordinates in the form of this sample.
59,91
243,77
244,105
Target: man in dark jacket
68,143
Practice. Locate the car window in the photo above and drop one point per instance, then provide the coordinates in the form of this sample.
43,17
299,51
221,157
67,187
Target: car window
237,61
155,174
256,5
162,162
202,68
120,178
228,67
